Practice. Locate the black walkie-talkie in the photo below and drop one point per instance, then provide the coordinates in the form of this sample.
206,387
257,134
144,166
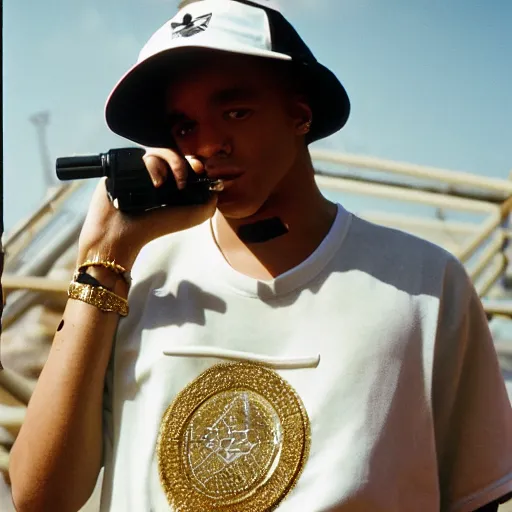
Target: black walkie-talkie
129,185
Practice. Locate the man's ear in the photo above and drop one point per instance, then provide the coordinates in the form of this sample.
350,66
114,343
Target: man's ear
301,114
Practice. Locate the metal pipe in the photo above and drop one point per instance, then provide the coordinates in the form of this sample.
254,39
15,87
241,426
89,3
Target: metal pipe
420,222
412,196
12,416
4,460
437,188
38,284
498,267
22,300
18,386
56,197
486,257
416,171
486,229
497,307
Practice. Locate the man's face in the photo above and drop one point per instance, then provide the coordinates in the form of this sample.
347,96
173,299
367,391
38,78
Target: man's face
239,119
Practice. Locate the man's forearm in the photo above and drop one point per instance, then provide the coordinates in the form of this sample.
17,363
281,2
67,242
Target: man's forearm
57,455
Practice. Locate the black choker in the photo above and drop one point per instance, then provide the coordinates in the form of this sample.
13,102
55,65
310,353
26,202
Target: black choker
262,231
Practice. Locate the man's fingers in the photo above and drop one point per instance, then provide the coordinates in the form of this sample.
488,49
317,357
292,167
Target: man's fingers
166,220
157,169
179,167
168,159
196,165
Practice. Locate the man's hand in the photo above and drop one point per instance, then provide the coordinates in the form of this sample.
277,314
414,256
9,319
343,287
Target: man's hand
110,234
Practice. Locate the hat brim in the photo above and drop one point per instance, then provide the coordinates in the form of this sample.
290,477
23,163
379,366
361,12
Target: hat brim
135,108
327,98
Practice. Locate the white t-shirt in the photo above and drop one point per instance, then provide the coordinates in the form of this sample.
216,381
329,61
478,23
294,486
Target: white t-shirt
408,407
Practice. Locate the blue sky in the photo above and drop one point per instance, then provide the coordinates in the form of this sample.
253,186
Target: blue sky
430,80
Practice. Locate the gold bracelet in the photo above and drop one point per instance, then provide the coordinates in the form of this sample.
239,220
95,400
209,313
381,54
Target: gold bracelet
99,297
110,265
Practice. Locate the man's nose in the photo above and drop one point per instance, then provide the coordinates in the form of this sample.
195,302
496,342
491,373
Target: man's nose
212,141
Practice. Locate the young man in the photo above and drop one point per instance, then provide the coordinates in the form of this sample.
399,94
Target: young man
406,410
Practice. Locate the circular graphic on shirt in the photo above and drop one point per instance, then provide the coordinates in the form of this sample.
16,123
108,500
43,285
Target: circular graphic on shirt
231,443
235,439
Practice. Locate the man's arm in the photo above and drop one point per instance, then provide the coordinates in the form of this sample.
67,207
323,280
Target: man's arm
58,453
473,416
59,446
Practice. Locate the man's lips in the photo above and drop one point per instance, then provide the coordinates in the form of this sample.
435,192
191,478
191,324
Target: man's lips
223,173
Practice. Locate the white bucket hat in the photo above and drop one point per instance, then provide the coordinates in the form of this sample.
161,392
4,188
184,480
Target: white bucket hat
135,108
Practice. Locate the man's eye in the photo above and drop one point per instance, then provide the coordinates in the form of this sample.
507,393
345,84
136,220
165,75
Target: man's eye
239,114
183,129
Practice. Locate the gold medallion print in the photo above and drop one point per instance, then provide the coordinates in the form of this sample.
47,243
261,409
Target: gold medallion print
235,439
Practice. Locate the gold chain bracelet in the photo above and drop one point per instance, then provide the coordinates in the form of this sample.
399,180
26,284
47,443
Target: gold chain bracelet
110,265
99,297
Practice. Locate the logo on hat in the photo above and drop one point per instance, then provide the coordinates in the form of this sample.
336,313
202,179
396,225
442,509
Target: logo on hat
189,26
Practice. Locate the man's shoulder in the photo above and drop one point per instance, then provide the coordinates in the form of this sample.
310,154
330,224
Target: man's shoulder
394,243
402,259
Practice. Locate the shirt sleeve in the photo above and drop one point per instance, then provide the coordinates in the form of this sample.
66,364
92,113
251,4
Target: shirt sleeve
472,411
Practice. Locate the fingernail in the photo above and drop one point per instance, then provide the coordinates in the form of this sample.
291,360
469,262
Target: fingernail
197,165
181,184
157,181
